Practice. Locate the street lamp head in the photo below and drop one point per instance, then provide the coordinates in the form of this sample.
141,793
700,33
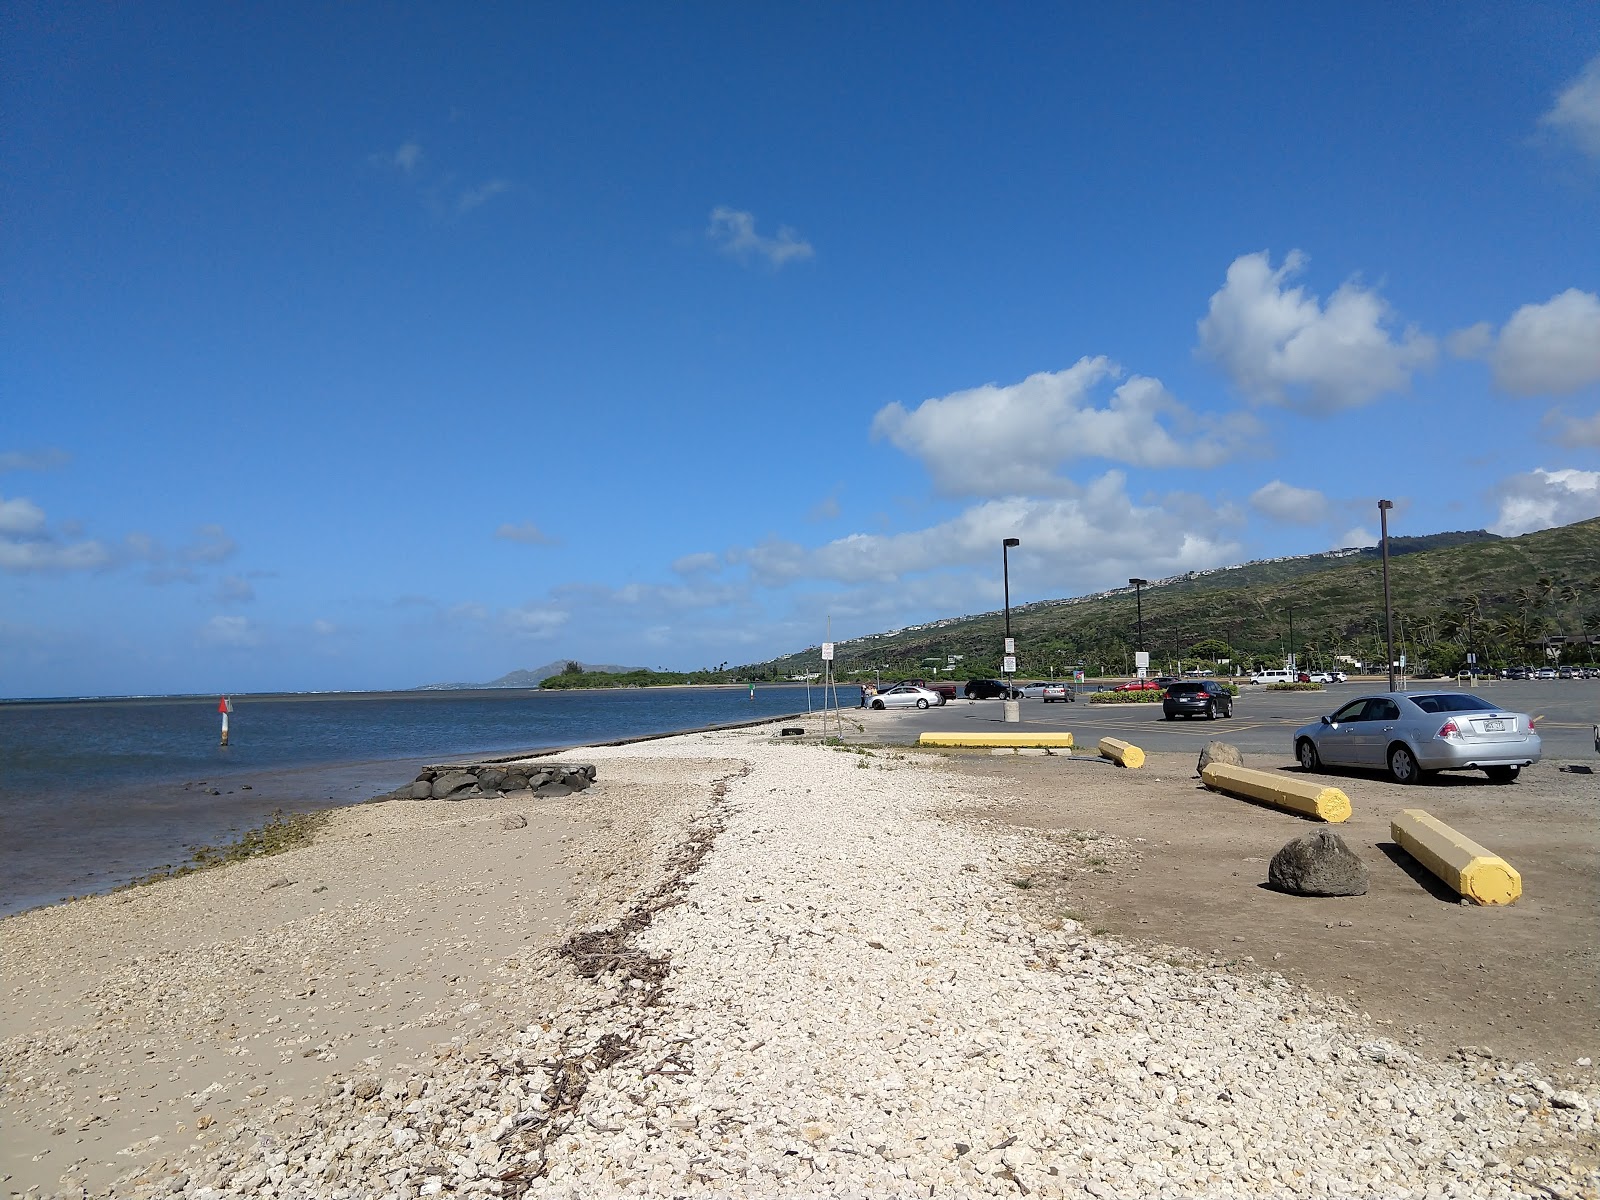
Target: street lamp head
1385,504
1012,542
1138,583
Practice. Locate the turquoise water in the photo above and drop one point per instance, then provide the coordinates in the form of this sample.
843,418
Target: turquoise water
96,792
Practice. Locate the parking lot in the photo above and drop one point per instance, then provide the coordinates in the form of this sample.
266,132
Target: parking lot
1263,722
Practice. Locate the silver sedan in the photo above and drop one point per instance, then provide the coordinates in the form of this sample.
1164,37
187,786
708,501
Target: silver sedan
1413,734
906,695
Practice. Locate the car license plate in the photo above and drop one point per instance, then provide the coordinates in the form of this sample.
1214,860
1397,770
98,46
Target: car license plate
1494,726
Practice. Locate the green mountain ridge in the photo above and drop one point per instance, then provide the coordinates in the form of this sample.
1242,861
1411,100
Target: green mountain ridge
1505,599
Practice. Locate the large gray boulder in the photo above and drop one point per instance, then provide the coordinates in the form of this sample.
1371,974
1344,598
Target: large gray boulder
452,785
1318,864
1220,752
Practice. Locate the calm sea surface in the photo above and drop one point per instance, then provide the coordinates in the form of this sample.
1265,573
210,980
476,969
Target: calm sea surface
96,792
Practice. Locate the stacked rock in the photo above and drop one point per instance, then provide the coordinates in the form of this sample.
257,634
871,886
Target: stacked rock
468,781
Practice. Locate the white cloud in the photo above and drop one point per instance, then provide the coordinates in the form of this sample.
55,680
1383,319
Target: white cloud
998,441
534,621
527,533
1282,346
26,544
1576,114
697,564
475,197
1549,349
33,460
21,517
1544,499
230,631
1089,538
1284,502
1572,432
734,233
235,589
324,628
1355,537
407,157
211,545
826,509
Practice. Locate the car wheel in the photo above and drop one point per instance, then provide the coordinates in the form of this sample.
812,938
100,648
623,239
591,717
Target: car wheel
1166,716
1403,765
878,704
1211,713
922,702
1502,774
1306,752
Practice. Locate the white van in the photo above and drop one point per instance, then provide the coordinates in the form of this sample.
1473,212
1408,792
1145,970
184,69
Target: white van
1273,677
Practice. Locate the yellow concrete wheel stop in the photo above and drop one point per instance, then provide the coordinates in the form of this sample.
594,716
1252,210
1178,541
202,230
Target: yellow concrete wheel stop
1124,754
1014,740
1459,862
1279,790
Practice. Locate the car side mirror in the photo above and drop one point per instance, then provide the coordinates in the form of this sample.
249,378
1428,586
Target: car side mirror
1327,720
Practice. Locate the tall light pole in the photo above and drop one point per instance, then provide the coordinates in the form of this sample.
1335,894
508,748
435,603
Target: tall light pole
1005,574
1138,586
1388,610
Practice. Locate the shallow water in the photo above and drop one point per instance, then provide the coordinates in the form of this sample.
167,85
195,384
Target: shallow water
96,792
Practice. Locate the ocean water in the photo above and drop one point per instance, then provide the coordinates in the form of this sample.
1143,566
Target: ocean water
96,792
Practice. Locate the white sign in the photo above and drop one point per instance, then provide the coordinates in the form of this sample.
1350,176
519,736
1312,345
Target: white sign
1009,667
1011,645
1472,658
827,651
1141,659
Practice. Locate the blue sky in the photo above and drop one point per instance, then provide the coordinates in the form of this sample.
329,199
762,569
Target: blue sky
364,346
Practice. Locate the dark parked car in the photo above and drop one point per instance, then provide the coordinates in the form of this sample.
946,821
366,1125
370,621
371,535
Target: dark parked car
991,689
1197,697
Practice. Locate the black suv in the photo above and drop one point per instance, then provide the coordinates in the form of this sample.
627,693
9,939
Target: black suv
990,689
1192,697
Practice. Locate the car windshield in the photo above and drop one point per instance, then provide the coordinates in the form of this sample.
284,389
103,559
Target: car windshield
1451,702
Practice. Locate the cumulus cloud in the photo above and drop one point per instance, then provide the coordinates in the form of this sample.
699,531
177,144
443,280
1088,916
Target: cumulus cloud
534,620
1355,537
211,544
1070,540
1543,499
1281,345
1549,349
406,158
734,233
697,564
1284,502
476,197
995,440
1572,431
1576,113
527,533
33,460
27,545
230,631
235,589
21,517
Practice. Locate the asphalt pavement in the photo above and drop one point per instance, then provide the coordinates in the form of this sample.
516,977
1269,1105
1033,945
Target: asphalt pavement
1263,722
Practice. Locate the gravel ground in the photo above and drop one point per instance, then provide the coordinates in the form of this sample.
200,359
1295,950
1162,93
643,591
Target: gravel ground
791,975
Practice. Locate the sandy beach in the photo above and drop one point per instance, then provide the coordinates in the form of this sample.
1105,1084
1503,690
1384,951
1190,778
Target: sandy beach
747,965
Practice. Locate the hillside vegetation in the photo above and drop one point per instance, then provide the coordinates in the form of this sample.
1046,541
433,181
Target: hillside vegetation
1508,599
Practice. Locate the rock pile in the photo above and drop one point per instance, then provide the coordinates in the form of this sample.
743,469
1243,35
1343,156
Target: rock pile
468,781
